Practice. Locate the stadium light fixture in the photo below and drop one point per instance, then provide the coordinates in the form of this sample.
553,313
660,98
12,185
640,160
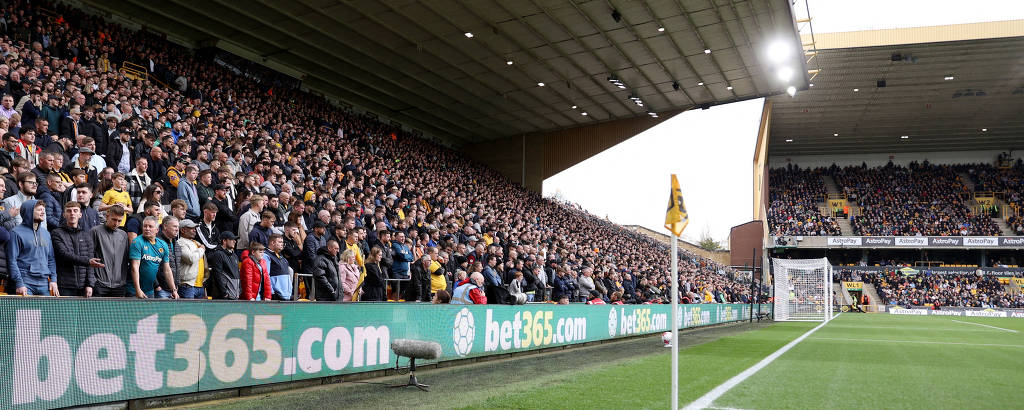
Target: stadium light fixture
653,114
984,130
469,35
856,89
779,51
948,77
835,134
701,83
617,82
574,106
810,85
789,140
661,29
791,90
510,62
707,51
728,87
785,74
584,113
903,137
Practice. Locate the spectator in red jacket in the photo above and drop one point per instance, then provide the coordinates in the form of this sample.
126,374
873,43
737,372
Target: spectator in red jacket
254,275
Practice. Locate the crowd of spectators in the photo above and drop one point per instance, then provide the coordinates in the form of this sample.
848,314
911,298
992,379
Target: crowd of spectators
225,187
794,198
918,199
927,288
1008,184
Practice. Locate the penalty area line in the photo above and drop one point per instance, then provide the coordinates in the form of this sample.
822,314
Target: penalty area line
980,324
705,401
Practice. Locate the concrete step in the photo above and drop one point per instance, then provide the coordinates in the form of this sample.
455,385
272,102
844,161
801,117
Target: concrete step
967,180
1003,227
845,227
830,185
869,289
844,297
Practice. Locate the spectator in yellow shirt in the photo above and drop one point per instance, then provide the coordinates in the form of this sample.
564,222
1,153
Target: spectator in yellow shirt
117,195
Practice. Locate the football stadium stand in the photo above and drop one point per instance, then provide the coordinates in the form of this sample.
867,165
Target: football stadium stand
89,103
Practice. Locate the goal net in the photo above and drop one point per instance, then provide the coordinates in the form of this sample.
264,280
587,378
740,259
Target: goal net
802,289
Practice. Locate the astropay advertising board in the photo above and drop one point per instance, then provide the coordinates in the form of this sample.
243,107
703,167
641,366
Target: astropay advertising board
70,352
925,241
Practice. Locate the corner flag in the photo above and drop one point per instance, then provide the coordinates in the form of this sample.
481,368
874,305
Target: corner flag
675,221
675,216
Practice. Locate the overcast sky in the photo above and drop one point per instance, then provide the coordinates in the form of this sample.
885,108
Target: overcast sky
712,150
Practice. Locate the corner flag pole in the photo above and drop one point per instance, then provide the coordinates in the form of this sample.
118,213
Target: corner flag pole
675,221
675,323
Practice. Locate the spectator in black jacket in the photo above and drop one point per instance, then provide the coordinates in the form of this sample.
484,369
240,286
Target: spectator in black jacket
73,251
115,152
293,246
226,218
223,282
70,126
419,286
90,218
325,273
374,284
314,241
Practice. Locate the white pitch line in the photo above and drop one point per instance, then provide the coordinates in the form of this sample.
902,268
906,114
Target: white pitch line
915,341
707,399
979,324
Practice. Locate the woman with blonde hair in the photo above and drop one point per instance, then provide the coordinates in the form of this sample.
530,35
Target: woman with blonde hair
349,274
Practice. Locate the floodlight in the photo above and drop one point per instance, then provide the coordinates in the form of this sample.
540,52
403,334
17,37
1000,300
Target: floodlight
785,73
779,51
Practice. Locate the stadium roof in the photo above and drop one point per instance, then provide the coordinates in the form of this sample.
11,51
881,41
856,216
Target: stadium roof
947,88
412,61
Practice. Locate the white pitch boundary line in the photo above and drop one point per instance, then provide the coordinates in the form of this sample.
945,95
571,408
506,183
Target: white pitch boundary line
915,341
707,399
979,324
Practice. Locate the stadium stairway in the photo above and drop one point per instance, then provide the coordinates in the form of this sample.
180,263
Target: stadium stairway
844,296
966,179
1003,227
845,227
830,184
873,295
1012,288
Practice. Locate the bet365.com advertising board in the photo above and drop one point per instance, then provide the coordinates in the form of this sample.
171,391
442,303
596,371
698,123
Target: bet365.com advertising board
58,353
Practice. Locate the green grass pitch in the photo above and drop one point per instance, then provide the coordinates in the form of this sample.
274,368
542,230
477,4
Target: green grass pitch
857,361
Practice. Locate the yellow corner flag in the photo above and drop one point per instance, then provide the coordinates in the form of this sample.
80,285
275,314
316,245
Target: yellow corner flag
675,216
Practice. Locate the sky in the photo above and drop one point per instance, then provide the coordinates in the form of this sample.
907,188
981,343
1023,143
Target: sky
712,151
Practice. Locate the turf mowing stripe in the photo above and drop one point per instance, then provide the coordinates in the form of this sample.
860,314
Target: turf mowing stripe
843,339
706,400
979,324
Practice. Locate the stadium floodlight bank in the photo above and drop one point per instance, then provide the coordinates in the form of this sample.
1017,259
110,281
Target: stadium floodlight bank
803,289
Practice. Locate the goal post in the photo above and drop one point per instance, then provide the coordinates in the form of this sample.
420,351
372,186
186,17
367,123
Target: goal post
803,289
